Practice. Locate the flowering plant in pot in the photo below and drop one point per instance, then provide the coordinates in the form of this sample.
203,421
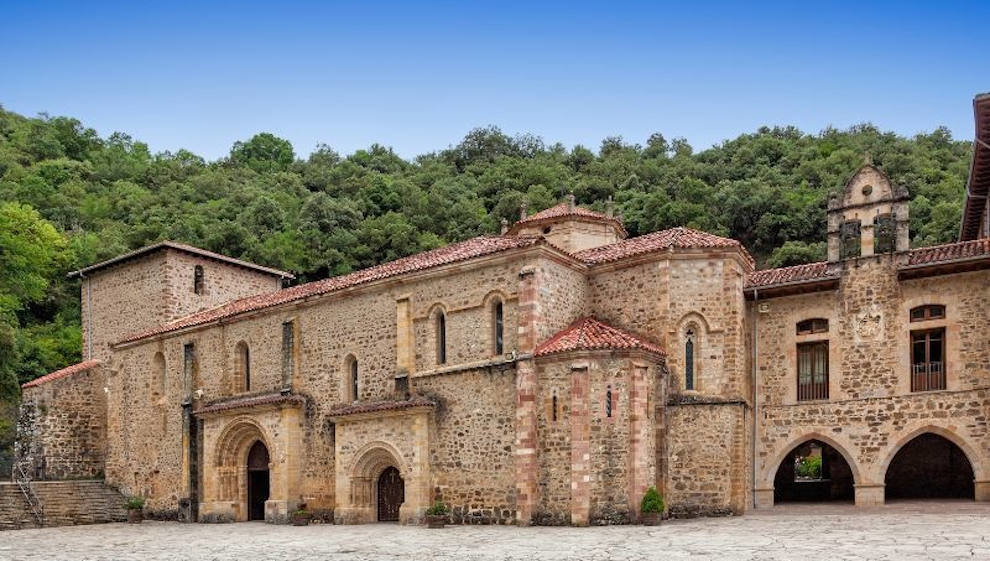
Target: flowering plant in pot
135,509
651,508
436,515
301,517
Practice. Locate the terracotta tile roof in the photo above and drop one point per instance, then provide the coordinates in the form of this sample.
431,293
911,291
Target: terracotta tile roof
590,334
784,275
67,371
476,247
375,406
978,184
179,247
251,401
949,252
665,239
564,210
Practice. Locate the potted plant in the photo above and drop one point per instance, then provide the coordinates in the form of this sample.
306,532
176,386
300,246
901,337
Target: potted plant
301,517
135,509
436,515
651,509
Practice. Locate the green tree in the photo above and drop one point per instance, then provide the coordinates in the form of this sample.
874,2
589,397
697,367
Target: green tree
264,152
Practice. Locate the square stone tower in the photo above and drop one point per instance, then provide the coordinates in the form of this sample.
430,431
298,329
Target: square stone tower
871,218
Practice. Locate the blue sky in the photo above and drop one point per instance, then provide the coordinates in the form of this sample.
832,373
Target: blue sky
417,77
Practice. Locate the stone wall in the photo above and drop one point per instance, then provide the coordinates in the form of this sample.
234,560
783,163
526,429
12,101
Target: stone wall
222,283
64,503
61,427
871,411
706,453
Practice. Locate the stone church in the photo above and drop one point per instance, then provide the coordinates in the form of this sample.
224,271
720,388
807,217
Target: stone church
547,375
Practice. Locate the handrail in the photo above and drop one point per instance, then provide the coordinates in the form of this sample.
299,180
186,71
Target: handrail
24,483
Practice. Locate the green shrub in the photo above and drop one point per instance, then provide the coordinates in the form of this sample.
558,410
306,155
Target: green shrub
652,501
134,503
437,509
809,467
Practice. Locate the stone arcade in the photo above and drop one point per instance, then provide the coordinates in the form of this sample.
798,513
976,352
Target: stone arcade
548,375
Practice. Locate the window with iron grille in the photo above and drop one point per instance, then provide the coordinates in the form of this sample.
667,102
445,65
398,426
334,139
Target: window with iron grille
928,360
812,371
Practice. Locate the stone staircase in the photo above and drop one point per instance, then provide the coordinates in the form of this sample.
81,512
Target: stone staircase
62,503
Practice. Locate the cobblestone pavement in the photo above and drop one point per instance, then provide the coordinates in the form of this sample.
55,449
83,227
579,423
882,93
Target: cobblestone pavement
939,532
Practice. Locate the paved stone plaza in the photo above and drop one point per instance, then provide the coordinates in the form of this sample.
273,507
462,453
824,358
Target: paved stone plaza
938,531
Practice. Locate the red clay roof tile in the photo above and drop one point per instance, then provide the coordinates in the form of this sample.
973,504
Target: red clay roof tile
949,252
476,247
680,237
590,334
180,247
67,371
564,210
784,275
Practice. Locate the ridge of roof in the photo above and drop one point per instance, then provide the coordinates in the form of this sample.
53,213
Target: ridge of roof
62,373
978,181
588,333
679,237
563,210
167,244
475,247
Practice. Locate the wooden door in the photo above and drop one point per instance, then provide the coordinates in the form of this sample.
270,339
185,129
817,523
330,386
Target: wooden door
391,494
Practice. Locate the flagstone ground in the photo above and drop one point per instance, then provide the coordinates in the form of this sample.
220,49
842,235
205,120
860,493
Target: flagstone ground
902,531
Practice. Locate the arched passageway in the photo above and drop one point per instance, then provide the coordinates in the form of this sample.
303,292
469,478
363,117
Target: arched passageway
391,494
813,472
258,481
929,467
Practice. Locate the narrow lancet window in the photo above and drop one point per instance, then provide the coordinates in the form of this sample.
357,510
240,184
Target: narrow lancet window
354,380
689,361
608,401
441,338
499,328
198,279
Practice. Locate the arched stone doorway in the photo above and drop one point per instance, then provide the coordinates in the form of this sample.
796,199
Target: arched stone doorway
391,494
929,466
813,471
258,481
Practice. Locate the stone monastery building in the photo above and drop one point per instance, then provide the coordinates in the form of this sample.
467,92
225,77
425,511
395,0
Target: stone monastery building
547,375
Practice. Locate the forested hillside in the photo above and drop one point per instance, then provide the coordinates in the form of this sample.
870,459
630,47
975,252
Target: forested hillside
69,198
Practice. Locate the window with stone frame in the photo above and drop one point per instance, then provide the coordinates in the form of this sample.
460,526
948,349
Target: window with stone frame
849,239
199,279
928,359
354,388
608,401
812,371
441,337
553,407
689,358
884,233
927,312
243,362
498,322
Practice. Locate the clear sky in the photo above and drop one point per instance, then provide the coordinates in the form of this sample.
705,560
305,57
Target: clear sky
417,77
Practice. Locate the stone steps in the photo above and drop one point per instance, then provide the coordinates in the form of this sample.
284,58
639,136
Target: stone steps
65,503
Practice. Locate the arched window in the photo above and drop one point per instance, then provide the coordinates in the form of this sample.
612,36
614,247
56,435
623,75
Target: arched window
441,338
499,323
355,389
849,238
927,312
198,279
158,375
808,326
689,360
884,232
244,365
608,401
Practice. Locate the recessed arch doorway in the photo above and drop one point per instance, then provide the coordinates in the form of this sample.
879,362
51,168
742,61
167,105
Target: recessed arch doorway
391,494
258,481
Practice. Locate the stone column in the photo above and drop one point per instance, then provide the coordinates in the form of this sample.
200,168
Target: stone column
285,471
405,352
982,491
580,445
869,494
639,437
526,441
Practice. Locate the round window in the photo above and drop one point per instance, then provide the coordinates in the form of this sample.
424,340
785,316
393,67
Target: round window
867,189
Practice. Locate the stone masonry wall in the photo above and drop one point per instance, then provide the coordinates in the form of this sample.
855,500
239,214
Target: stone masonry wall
871,412
61,429
222,283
